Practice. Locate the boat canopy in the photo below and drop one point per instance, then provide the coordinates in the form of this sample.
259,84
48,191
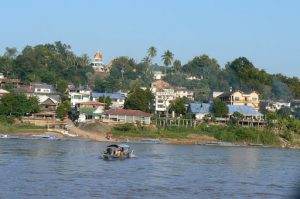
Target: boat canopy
118,146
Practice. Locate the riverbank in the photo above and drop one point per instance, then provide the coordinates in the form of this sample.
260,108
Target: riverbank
203,135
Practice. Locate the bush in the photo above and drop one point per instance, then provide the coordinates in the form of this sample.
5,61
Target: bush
125,127
7,119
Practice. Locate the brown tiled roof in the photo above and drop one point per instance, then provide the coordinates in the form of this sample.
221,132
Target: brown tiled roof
23,89
127,112
160,84
92,103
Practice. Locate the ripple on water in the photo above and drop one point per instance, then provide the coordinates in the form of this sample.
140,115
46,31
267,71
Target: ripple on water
72,169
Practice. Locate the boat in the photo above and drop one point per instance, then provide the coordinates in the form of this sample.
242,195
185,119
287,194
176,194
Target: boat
3,136
117,152
45,136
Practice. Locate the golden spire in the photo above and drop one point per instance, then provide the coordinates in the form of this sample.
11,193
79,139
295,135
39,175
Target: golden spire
98,55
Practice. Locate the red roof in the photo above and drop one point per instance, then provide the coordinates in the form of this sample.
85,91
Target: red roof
127,112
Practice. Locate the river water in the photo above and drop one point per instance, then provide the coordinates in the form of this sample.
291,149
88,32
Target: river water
72,169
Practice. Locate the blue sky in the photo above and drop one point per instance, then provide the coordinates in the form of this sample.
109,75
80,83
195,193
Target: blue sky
265,31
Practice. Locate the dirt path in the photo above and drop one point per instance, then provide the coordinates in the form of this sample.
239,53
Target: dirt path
98,136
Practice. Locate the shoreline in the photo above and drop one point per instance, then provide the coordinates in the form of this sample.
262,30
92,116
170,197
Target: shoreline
192,139
183,141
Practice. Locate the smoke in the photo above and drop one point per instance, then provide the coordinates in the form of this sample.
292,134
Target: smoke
280,90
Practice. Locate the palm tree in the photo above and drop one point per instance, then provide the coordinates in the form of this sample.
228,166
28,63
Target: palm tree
177,65
152,52
167,58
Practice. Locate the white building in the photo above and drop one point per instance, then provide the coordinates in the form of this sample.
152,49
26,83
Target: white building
158,75
98,64
79,96
164,98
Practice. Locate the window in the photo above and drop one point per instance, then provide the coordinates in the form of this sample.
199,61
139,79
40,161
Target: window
254,99
77,96
160,106
160,101
237,98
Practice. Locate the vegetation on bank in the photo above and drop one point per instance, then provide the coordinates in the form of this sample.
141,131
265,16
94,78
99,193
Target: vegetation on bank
229,133
14,128
280,128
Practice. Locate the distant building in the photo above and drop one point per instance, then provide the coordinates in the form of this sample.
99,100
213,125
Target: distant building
89,110
159,85
77,97
7,81
117,99
240,98
157,75
217,94
295,104
267,105
164,97
194,78
127,116
47,103
42,91
98,64
164,94
199,110
3,92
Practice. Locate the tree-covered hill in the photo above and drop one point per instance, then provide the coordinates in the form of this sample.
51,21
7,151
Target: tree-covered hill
50,63
56,64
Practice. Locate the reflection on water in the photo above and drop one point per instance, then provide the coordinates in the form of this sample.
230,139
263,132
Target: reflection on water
244,159
72,169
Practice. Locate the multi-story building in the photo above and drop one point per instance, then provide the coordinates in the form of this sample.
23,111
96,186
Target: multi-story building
46,94
164,94
79,96
241,98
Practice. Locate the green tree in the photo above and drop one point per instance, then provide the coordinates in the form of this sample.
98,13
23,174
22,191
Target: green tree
63,109
177,65
62,86
178,106
139,99
106,100
152,52
284,112
219,108
15,104
167,58
237,117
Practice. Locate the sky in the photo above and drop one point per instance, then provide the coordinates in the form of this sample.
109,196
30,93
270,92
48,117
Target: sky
264,31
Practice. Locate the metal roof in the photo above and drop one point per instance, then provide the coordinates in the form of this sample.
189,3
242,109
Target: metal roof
111,95
199,107
245,110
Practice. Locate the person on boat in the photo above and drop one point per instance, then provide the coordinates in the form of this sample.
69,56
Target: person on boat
122,152
118,153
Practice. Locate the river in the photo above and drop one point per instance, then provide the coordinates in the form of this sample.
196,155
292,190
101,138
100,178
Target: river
72,169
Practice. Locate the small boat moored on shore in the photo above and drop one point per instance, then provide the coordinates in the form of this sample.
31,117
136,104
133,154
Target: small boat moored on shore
117,151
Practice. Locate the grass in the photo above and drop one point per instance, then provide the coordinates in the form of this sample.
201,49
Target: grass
220,132
21,128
